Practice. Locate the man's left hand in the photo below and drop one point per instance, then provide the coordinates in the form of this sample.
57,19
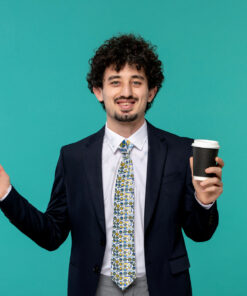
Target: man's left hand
209,190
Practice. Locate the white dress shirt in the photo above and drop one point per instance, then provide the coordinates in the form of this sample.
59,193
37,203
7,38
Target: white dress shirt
111,157
7,193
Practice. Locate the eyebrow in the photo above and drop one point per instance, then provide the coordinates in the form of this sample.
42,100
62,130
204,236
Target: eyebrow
118,76
113,77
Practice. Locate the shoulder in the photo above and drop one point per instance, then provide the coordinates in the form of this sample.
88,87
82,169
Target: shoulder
173,141
84,143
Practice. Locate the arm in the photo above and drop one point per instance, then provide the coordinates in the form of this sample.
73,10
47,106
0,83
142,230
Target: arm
198,223
50,229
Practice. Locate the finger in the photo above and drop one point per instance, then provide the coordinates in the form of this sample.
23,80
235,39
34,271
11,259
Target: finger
213,189
191,164
2,169
211,181
220,161
214,170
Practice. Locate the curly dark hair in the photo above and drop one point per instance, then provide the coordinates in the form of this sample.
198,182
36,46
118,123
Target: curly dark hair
122,49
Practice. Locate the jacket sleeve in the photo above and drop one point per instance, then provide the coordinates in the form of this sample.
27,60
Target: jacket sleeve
198,223
49,229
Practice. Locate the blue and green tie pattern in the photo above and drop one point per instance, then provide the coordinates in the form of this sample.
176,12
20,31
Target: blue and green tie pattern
123,265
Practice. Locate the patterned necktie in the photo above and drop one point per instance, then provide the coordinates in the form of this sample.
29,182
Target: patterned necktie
123,265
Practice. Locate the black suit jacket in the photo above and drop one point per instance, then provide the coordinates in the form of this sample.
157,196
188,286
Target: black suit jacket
77,205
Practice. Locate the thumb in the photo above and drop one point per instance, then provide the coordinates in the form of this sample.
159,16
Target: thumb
191,165
1,169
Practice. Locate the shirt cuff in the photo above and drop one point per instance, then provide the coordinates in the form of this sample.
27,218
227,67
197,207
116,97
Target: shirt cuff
207,207
9,189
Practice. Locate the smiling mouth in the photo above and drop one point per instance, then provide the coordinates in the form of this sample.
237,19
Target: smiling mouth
126,105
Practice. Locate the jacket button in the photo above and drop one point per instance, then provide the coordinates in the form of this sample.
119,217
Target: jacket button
96,269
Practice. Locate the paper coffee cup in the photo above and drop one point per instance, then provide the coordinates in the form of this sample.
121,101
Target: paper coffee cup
204,153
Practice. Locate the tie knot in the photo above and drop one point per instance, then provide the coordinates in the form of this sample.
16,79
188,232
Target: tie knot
125,147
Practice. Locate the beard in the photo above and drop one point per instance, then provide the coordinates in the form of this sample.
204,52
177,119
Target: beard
126,117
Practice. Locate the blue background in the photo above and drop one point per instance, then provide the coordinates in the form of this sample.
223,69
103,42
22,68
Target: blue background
45,103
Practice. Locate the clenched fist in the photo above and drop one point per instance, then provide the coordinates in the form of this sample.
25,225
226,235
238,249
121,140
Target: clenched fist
4,182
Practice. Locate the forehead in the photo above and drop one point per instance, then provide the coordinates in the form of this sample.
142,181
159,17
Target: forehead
126,71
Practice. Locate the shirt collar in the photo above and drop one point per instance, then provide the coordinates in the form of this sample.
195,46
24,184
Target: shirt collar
138,139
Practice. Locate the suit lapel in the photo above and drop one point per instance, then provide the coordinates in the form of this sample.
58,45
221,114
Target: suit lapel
157,152
93,165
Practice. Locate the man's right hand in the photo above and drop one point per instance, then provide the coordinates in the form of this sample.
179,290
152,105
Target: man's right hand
4,182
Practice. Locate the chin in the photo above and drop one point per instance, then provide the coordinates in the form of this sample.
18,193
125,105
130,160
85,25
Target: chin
125,117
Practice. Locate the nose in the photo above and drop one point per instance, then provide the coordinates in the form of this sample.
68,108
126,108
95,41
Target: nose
126,90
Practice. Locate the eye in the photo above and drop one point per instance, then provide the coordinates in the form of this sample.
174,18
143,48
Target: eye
115,82
137,83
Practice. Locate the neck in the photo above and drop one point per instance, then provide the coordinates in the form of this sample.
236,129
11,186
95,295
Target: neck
125,129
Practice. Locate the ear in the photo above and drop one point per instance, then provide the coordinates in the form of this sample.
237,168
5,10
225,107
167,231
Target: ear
151,93
98,93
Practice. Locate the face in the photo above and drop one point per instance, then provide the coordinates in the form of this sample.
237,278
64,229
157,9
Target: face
125,94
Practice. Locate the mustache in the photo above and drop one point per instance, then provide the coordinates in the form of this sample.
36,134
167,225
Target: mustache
125,98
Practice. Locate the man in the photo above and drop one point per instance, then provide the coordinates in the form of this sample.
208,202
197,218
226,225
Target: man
125,192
